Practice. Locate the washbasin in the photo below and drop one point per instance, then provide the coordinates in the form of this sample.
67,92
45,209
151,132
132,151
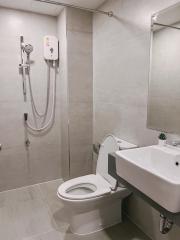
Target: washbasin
155,171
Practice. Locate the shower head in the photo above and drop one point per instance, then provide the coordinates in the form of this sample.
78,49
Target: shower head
28,48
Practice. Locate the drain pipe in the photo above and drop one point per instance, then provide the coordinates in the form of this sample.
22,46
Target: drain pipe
165,224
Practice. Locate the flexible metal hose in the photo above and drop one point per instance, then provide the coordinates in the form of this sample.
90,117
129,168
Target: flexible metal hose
44,125
47,94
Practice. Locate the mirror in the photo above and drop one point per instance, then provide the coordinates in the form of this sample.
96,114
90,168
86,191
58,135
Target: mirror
164,83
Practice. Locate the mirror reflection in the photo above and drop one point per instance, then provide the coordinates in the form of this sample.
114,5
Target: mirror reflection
164,84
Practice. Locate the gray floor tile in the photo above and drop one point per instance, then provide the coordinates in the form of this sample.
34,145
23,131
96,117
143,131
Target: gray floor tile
25,213
122,231
58,213
36,213
52,235
49,193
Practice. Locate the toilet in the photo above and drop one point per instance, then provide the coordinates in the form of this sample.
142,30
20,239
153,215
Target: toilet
94,201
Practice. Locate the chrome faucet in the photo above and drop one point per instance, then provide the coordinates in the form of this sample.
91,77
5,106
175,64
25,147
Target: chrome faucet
176,143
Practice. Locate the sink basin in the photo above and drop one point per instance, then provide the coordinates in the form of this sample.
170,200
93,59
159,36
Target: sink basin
155,171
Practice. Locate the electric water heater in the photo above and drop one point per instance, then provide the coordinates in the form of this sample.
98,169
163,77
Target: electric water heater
51,48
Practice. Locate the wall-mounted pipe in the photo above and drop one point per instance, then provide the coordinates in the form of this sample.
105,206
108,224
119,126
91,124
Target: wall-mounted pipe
96,148
110,13
165,224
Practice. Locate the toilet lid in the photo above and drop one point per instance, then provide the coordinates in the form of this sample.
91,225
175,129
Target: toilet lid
109,145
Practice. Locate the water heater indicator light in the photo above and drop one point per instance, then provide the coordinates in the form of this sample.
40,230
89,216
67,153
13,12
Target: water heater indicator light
51,48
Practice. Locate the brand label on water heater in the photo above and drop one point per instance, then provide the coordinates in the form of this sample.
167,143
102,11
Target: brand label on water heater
51,48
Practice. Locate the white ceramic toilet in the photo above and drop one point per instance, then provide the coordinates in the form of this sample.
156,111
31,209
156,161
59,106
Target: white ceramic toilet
94,201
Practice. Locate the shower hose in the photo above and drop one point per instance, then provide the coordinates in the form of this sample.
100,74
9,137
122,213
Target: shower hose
37,114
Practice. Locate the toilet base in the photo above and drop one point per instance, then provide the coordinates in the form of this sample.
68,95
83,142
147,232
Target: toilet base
83,223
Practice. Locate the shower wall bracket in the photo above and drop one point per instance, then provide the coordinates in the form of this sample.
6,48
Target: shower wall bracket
22,68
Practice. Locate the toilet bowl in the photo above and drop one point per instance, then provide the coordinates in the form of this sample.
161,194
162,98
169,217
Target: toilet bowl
94,201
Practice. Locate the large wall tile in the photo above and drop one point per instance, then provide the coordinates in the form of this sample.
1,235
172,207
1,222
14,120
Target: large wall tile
80,123
79,20
21,167
81,160
42,161
13,168
80,67
77,92
63,93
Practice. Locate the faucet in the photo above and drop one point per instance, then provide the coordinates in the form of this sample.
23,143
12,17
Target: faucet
176,143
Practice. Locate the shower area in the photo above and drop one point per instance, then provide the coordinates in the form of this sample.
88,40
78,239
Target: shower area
46,102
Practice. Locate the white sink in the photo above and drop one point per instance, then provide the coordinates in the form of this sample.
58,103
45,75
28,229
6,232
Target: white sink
155,171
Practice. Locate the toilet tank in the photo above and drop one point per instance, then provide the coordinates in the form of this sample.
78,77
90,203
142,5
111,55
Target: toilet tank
110,144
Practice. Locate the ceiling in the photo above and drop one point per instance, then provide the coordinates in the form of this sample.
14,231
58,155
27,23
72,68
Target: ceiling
45,8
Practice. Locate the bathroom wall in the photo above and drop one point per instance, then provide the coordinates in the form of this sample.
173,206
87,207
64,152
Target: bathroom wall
121,66
77,96
40,162
80,79
65,157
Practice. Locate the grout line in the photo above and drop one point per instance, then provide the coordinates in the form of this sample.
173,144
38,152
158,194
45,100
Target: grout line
45,200
33,185
36,235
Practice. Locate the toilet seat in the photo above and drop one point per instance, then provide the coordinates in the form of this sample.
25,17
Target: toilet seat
92,185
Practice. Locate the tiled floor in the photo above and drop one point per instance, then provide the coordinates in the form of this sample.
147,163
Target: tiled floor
35,213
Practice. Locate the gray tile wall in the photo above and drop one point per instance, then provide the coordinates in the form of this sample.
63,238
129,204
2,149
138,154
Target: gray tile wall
63,93
77,96
80,80
41,162
121,65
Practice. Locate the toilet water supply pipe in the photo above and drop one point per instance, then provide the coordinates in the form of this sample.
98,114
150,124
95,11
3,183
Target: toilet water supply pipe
165,224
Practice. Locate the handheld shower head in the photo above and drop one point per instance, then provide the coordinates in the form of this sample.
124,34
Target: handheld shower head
28,48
